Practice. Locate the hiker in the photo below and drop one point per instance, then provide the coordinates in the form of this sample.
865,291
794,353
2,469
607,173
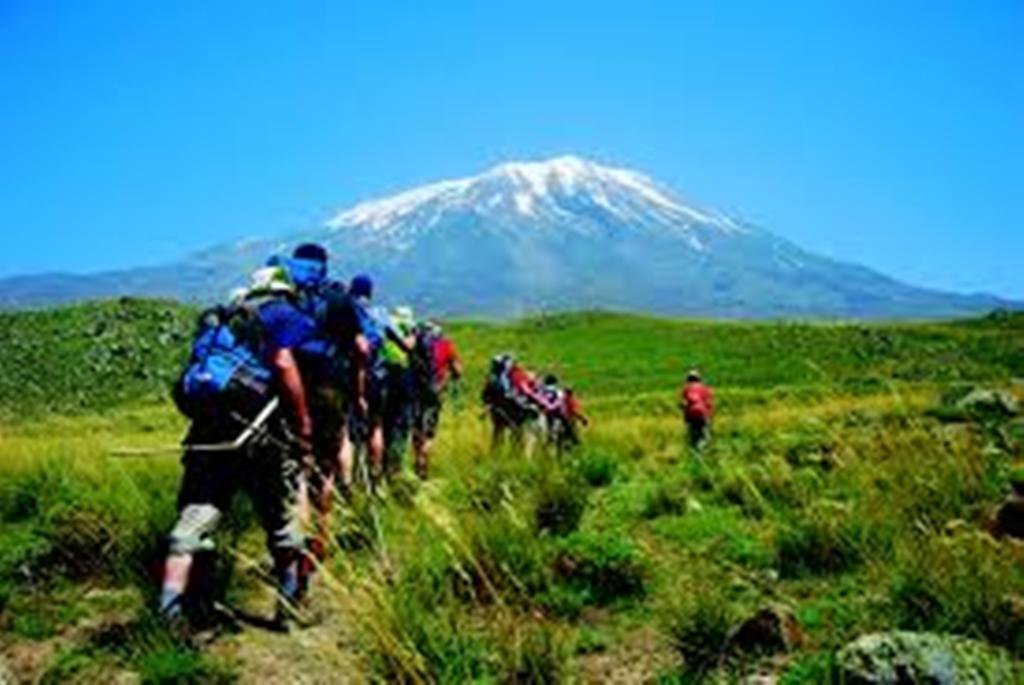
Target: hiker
399,389
697,405
497,398
322,367
562,413
242,354
343,330
434,360
570,416
369,381
551,410
512,399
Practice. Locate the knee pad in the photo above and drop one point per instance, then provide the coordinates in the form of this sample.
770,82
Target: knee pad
194,529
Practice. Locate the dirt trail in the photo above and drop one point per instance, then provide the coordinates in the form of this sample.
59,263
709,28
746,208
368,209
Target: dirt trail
321,651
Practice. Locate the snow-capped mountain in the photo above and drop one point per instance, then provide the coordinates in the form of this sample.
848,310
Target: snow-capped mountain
565,233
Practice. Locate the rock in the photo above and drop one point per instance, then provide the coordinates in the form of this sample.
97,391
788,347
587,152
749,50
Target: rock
900,657
1010,516
772,629
989,403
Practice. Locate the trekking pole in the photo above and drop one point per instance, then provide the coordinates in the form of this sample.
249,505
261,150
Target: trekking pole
251,428
257,423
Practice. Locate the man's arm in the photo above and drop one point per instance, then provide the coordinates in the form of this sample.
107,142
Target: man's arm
362,360
287,370
455,364
407,343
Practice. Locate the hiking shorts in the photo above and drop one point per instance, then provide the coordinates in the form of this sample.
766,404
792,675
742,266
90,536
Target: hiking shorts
327,410
267,473
427,415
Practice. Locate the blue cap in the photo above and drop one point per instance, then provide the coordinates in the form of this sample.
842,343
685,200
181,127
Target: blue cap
362,286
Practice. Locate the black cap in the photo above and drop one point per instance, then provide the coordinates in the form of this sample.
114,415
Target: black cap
311,251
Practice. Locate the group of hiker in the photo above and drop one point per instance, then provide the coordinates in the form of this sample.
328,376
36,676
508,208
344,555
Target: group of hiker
524,405
287,383
299,380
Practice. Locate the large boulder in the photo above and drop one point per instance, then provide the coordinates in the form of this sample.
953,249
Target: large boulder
906,658
770,630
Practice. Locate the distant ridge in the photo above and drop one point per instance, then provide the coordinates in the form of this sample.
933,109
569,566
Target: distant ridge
565,233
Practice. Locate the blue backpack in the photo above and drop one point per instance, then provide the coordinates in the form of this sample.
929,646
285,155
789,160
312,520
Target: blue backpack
225,372
318,354
374,329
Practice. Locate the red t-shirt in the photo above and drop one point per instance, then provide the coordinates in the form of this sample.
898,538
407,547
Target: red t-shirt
445,356
698,401
520,380
573,408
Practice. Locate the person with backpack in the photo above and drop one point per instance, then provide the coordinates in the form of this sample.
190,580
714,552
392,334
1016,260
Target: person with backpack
561,414
323,369
399,395
512,398
572,416
369,380
697,404
250,430
434,360
497,397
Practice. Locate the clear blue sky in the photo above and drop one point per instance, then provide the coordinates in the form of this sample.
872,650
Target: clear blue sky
888,133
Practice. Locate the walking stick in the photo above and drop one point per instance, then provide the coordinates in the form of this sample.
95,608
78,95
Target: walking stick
257,425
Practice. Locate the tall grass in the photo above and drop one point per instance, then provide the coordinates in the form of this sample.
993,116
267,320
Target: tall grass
827,489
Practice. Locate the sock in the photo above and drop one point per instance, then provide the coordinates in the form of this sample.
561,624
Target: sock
170,603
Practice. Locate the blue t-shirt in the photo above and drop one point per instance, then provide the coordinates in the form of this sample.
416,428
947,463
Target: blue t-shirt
284,326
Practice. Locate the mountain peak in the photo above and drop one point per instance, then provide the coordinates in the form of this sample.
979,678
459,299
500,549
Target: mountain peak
534,190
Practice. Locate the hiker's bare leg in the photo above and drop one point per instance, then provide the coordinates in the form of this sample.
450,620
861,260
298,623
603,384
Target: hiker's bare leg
421,446
376,448
346,462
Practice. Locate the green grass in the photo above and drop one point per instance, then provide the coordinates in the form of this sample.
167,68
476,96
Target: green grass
838,484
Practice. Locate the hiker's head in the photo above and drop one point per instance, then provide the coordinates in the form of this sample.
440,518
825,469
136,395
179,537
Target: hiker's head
311,251
693,376
403,315
550,379
308,265
272,279
361,286
403,319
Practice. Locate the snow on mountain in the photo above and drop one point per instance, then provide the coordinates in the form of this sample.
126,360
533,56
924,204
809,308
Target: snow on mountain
552,189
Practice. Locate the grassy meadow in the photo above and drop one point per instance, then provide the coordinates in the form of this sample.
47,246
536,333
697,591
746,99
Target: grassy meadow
843,483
